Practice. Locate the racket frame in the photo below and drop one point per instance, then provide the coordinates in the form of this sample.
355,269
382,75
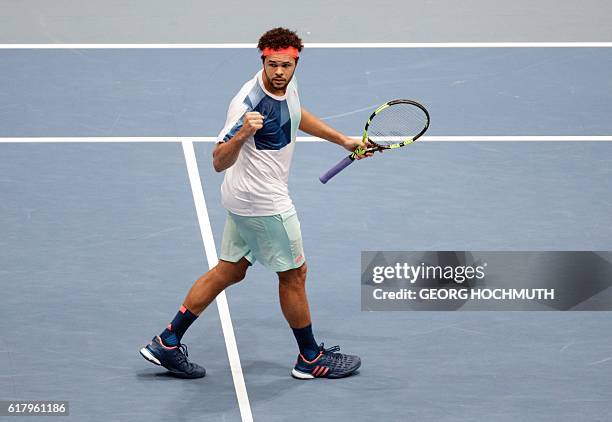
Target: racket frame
403,143
345,162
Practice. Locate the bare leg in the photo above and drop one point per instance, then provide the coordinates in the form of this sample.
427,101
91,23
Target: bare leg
208,286
293,300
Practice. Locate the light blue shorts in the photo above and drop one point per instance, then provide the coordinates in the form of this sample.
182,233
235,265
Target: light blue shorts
275,240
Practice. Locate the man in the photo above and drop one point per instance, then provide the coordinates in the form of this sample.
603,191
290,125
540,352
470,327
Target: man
255,148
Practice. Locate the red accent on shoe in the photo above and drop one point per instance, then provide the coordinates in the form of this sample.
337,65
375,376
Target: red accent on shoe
164,346
311,361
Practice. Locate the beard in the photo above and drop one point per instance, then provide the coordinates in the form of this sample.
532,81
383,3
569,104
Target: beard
278,83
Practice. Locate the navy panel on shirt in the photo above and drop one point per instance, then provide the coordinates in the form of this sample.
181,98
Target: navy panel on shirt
233,131
276,131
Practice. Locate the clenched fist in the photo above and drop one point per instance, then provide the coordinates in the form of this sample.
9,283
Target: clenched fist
251,123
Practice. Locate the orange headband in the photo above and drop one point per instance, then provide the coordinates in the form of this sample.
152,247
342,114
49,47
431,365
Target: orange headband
290,51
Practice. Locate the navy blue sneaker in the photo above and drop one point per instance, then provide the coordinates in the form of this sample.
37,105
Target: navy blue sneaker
174,359
327,364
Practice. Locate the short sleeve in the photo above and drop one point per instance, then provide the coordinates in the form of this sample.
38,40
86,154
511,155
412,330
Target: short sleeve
233,122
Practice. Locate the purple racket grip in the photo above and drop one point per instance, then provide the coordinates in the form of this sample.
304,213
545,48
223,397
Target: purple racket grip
336,169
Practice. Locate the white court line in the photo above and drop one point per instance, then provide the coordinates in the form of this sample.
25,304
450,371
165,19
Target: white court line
222,306
468,138
509,44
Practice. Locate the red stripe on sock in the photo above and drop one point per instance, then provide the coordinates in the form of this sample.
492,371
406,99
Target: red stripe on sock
183,309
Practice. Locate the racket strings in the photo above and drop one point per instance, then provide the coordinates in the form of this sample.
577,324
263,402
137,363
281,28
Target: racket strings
396,124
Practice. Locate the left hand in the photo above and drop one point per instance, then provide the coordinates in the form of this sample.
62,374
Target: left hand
352,143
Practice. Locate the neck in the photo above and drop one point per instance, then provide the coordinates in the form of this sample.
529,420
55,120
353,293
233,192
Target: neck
270,88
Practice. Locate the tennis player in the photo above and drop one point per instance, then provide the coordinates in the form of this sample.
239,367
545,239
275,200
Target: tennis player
255,149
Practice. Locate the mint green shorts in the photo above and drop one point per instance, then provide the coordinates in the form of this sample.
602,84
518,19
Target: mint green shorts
275,240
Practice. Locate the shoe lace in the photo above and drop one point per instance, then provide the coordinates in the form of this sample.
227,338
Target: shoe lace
330,352
184,353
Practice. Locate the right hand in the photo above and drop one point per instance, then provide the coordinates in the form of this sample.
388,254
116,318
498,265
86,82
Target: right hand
251,123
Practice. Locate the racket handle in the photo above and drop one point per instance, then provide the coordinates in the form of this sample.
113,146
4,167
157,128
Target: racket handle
336,169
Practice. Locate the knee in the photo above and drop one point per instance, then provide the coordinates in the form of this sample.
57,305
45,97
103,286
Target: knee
295,278
236,275
230,273
302,271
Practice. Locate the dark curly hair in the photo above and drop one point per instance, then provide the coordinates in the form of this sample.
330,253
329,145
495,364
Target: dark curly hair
278,38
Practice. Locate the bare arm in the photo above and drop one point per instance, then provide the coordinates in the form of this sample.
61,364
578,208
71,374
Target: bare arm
314,126
226,153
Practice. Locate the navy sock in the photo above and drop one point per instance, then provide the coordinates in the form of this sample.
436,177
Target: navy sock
174,332
306,342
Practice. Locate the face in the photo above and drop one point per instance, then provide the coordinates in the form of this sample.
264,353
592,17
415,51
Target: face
279,69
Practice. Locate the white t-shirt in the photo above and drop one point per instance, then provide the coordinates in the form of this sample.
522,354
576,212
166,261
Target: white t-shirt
256,185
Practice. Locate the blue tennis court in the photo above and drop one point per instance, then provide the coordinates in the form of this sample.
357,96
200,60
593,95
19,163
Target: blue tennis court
100,238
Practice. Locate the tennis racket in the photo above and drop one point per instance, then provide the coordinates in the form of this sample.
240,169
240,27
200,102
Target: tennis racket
392,125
